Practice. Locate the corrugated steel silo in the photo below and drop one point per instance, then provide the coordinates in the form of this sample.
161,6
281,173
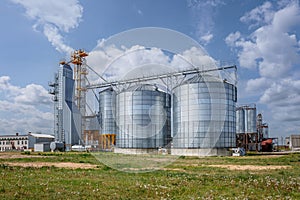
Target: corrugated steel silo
143,118
240,120
204,118
106,117
250,119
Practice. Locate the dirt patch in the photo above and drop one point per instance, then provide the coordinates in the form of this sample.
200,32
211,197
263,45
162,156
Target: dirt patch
250,167
69,165
259,156
15,156
19,156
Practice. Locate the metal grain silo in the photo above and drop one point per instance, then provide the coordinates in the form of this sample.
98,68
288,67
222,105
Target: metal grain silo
265,131
240,120
204,120
143,119
106,117
250,113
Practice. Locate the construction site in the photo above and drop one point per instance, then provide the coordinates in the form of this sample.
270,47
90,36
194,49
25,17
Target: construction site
189,112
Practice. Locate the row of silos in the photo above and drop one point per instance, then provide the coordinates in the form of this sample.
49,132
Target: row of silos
246,119
203,117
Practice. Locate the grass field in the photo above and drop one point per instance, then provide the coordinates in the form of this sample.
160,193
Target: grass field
249,177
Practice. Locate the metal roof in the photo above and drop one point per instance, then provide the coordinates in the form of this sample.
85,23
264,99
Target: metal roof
40,135
2,136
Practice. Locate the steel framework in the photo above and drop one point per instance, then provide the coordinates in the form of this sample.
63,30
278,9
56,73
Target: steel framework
182,73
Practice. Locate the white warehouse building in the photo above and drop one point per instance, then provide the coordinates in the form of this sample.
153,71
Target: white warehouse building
23,142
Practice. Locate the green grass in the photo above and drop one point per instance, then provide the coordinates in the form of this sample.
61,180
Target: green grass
192,179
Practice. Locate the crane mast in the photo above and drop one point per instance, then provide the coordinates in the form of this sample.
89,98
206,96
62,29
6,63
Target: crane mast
80,73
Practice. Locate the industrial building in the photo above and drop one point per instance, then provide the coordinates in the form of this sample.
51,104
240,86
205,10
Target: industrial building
293,141
67,118
247,136
13,142
191,113
195,116
252,132
19,142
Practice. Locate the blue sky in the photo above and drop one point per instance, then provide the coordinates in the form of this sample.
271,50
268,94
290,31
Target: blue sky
260,37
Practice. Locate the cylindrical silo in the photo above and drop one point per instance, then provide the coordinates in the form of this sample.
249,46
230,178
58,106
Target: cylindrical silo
265,131
240,120
204,117
143,119
250,113
106,117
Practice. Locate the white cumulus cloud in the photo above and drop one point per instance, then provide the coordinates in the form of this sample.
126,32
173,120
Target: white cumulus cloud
259,16
207,38
24,109
114,62
56,39
53,18
33,94
273,49
258,85
232,38
204,13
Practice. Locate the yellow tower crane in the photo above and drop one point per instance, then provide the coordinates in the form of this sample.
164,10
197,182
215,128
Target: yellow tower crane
80,72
